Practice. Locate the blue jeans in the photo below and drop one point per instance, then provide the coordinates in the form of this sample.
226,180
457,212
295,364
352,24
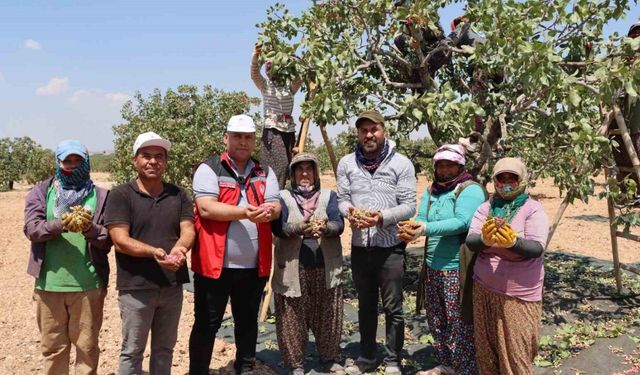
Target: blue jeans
156,310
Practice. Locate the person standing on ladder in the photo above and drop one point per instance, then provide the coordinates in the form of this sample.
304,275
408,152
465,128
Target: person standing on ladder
278,134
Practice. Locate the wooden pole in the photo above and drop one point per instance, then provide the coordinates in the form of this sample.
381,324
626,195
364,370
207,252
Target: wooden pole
303,135
304,130
329,146
559,213
264,309
614,239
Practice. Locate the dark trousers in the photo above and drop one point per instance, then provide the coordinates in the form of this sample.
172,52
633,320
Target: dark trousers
245,288
379,271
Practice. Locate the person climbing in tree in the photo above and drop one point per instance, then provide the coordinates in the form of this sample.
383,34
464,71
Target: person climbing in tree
278,134
630,106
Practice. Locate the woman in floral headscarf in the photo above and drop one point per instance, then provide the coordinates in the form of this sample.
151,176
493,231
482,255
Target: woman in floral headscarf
509,232
444,216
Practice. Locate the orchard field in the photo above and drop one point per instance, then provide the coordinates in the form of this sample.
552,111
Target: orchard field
583,231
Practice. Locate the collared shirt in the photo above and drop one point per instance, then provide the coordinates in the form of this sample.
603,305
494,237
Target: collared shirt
241,250
154,221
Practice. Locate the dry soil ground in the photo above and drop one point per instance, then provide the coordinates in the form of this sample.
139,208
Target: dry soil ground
583,230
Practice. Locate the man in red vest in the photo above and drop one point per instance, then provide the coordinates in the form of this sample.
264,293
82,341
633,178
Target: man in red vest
236,199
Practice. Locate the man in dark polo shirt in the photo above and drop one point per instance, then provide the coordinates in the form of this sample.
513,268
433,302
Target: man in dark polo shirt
151,224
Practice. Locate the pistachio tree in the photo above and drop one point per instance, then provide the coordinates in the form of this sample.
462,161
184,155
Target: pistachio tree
538,85
193,120
22,159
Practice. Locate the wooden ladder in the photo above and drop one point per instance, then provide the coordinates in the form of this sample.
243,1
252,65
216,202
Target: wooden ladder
622,131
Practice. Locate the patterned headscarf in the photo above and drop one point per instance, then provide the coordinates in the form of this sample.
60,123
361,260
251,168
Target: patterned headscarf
453,153
73,186
515,166
372,164
509,198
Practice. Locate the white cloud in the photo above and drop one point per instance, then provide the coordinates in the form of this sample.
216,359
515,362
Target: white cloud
57,85
1,77
32,44
80,94
99,96
118,98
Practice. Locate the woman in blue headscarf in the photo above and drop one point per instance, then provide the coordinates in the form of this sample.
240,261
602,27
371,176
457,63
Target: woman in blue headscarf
68,260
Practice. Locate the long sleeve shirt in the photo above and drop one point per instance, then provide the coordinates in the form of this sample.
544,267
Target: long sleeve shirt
503,270
277,101
447,224
391,189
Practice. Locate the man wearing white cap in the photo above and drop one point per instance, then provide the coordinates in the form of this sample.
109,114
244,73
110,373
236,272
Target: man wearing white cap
236,198
151,224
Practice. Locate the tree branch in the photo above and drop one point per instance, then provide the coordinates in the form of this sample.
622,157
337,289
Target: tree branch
386,101
406,64
423,71
587,86
387,81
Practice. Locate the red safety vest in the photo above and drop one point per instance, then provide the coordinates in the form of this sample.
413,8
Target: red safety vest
208,253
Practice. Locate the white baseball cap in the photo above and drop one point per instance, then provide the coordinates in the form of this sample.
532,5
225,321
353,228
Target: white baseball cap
150,139
241,124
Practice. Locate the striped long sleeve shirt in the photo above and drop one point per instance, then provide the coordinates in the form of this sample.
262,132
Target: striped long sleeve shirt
391,189
277,101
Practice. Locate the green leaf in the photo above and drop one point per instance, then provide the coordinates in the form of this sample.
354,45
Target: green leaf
628,86
574,97
543,362
525,48
417,114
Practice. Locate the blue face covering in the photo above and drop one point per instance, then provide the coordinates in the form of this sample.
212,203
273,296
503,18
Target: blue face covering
72,187
78,177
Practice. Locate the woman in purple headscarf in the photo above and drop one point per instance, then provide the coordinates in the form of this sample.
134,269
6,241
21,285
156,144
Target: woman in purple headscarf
444,217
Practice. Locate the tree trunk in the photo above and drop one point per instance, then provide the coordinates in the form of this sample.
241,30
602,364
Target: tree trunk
329,146
304,129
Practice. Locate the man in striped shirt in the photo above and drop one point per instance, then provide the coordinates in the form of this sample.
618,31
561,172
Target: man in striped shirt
279,132
376,190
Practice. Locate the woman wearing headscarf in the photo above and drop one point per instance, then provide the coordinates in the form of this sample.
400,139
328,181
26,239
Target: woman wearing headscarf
509,232
69,247
444,217
308,266
279,132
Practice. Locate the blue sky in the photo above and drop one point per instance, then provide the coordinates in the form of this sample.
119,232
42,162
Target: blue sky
66,67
